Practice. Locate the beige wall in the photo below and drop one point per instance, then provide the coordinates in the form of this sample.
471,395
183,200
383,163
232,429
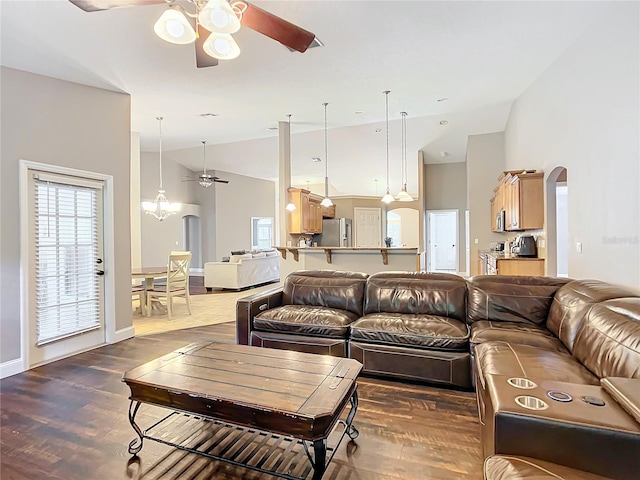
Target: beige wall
446,189
225,210
64,124
243,198
485,163
583,114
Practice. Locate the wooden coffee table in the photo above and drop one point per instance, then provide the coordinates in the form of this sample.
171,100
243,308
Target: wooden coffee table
253,407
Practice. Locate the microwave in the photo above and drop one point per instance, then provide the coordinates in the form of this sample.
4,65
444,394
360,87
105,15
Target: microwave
500,221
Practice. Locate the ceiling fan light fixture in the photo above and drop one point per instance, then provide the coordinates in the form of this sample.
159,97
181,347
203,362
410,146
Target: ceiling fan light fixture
221,46
174,27
218,16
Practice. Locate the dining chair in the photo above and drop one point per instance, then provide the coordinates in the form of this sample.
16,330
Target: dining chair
177,283
137,291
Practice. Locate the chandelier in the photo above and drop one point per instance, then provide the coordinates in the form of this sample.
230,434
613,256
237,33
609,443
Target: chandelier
218,16
160,208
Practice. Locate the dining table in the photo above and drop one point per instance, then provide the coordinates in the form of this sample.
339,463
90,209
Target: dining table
148,274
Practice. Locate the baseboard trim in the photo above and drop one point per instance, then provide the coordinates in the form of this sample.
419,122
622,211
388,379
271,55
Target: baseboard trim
123,334
12,367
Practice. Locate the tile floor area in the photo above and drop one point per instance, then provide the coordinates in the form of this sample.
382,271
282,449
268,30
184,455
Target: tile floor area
212,308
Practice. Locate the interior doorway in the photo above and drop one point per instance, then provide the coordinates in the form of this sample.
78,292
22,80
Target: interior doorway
191,241
442,241
557,193
403,226
368,227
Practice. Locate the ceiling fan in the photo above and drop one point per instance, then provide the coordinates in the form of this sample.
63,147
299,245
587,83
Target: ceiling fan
215,20
206,179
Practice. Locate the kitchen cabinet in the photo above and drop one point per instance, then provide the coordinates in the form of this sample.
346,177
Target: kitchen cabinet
520,194
329,212
307,217
500,264
526,202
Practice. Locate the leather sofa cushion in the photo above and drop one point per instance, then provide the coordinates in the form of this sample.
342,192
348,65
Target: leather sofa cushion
572,302
305,320
326,288
438,294
406,329
514,332
508,467
510,298
514,360
608,340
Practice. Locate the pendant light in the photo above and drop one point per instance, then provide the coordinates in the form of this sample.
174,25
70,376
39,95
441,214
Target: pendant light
326,201
403,195
290,206
205,180
160,208
387,198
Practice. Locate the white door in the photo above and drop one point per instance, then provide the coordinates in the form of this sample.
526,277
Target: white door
66,266
442,240
368,231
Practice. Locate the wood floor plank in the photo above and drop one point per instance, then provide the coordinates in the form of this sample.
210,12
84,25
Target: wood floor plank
68,420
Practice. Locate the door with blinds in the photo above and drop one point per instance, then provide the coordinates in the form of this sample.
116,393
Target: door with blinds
66,267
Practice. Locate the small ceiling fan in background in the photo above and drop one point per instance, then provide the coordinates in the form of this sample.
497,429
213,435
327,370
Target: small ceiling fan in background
215,21
205,179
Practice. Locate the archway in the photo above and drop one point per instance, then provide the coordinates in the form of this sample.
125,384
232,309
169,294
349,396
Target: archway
557,223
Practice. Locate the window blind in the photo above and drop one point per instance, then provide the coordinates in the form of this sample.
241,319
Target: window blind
68,294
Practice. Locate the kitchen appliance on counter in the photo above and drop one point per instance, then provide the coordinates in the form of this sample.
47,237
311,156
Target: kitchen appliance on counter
525,246
496,246
336,232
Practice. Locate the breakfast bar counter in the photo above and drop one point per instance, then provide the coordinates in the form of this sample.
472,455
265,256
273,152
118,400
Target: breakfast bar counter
328,251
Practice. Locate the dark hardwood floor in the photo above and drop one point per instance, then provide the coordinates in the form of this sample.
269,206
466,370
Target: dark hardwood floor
68,420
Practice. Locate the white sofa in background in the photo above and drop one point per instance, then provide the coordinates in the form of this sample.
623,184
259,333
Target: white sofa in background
242,271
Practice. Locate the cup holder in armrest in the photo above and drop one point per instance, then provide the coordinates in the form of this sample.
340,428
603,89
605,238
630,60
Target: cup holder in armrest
523,383
531,403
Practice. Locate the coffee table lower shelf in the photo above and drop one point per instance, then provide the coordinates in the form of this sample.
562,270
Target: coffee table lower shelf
270,453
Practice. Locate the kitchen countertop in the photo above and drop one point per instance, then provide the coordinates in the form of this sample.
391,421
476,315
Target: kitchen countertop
506,256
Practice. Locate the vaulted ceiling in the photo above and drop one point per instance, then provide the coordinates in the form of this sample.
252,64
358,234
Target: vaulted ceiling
480,56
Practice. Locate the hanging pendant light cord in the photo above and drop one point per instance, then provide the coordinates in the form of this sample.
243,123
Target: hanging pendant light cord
404,149
160,154
386,101
204,156
326,148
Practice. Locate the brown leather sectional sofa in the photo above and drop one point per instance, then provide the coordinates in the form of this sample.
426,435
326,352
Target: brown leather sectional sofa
515,338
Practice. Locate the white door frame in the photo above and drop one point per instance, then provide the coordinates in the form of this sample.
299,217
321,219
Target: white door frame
108,247
457,255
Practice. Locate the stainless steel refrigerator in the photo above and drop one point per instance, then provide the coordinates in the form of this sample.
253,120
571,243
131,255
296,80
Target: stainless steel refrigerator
336,232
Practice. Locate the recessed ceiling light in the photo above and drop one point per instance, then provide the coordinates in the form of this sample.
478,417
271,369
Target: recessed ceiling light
271,129
444,154
444,122
442,99
316,159
209,114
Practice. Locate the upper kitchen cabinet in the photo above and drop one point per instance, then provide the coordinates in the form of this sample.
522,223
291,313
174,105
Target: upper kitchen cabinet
520,195
307,217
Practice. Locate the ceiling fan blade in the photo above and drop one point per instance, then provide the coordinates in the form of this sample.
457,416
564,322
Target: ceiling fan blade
278,29
202,59
98,5
219,180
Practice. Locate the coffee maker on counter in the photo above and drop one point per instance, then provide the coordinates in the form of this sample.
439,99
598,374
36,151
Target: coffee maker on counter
524,246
